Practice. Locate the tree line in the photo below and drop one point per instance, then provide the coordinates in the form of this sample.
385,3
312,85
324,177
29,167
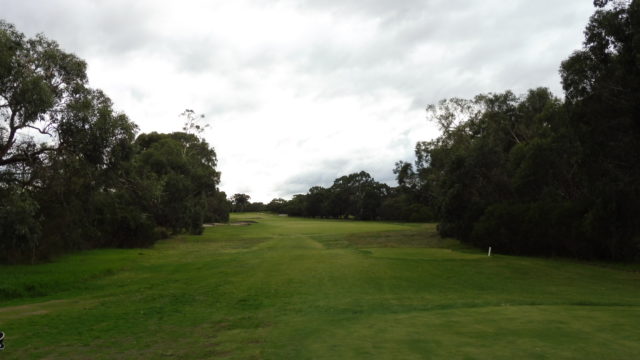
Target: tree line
355,196
73,173
531,174
538,175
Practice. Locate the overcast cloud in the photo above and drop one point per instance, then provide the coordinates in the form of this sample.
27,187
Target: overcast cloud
299,92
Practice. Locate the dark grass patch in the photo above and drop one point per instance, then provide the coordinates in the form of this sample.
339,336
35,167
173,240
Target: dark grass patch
422,237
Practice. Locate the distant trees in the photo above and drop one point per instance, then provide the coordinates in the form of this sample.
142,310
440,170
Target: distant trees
240,202
355,195
277,206
316,202
256,207
72,173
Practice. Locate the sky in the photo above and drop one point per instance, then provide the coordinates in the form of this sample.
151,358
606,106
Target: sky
300,92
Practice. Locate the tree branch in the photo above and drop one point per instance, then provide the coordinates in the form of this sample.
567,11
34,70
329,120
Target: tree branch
11,139
41,131
18,158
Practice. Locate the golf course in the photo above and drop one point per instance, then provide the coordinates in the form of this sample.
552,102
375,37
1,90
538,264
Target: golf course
273,287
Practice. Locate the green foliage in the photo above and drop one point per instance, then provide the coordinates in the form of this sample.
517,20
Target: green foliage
19,225
37,82
535,175
239,202
277,206
396,208
218,208
515,175
179,170
255,207
90,183
355,195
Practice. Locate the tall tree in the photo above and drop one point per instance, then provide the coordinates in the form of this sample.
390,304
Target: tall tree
602,87
71,175
37,83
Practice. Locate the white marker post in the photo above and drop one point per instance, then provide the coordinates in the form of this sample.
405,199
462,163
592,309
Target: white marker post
489,253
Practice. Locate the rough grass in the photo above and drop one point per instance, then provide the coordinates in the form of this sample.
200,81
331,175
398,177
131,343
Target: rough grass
317,289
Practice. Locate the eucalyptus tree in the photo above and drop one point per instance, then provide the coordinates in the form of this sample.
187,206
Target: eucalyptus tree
63,151
71,175
38,81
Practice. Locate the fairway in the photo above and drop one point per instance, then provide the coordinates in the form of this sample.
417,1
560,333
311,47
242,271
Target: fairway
290,288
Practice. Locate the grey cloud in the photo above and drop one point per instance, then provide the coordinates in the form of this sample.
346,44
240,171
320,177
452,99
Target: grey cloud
493,45
231,105
112,27
116,29
323,174
387,10
489,46
301,183
378,162
488,41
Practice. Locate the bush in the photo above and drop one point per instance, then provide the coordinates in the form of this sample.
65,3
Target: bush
538,228
19,226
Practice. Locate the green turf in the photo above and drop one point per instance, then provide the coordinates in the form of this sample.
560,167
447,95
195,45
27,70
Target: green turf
287,288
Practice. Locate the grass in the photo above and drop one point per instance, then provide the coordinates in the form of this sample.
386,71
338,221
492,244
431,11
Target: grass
287,288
